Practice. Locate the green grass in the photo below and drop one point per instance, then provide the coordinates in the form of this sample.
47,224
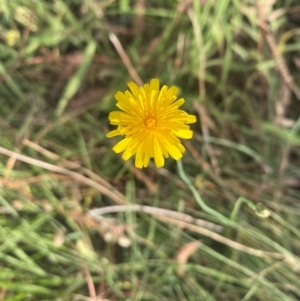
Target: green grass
59,71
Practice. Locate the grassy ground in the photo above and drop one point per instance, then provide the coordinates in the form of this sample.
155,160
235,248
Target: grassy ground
237,65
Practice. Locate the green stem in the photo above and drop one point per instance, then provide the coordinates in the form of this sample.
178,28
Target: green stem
237,206
222,218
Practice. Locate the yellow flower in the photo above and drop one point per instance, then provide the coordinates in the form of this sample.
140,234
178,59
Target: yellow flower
12,37
151,123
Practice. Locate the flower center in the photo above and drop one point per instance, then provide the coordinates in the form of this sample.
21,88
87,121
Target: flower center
150,123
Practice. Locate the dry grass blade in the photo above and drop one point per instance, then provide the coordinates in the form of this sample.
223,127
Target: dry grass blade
206,122
141,176
90,284
280,62
126,60
71,165
97,214
72,174
217,237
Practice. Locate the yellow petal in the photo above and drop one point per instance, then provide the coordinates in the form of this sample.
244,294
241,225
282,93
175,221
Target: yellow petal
177,104
181,147
170,142
113,133
146,88
161,96
136,142
191,119
139,162
147,156
122,145
158,156
153,99
154,84
134,88
121,97
169,138
126,107
174,152
127,154
172,91
115,117
162,145
185,134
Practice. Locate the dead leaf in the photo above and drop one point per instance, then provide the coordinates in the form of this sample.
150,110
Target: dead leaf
184,253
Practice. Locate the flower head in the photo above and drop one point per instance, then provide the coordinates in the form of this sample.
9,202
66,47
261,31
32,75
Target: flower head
151,123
